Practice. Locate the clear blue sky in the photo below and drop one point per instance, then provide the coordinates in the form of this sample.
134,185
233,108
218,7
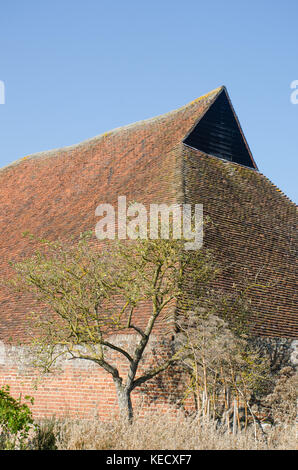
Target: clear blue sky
74,69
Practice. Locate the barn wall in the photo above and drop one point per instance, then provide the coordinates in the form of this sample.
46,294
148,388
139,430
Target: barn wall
80,388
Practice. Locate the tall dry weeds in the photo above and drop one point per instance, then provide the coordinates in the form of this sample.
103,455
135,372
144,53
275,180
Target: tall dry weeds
158,431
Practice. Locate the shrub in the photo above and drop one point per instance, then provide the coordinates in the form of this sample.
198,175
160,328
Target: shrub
44,437
282,402
15,420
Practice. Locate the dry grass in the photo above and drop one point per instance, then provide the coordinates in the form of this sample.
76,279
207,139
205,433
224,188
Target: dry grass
158,431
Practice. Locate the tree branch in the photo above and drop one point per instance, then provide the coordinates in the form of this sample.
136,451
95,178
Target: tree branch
153,372
116,348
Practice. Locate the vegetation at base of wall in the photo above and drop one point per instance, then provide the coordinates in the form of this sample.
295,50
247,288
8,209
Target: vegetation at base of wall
16,420
45,436
96,294
275,413
173,429
157,431
227,375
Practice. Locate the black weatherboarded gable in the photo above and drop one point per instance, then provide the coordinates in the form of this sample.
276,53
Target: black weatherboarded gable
218,133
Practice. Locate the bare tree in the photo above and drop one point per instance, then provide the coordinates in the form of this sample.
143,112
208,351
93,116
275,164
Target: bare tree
224,369
87,293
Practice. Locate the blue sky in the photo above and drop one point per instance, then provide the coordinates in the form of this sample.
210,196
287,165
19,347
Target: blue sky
74,69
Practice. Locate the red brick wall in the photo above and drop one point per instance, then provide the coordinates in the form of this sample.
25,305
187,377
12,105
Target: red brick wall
83,389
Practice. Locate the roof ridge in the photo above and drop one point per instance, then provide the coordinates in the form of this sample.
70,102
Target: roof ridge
46,153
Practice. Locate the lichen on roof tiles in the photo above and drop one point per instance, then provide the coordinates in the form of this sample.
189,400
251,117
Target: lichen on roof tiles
55,194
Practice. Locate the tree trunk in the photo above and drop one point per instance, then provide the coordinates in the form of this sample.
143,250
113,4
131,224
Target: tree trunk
235,418
124,402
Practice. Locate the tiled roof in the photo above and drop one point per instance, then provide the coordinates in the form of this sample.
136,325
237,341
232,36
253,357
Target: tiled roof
253,230
55,194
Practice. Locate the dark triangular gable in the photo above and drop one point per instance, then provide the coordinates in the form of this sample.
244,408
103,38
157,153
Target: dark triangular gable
218,133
